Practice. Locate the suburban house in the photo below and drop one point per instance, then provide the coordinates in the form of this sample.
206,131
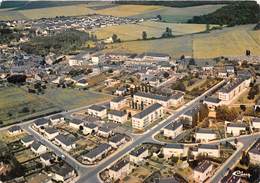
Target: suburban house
51,133
76,123
119,170
105,131
137,156
205,134
256,123
63,173
15,130
117,140
121,91
178,150
118,103
254,153
97,111
174,129
203,171
166,101
147,116
27,140
46,158
236,129
97,153
38,148
58,118
212,150
233,89
190,116
117,116
42,122
212,103
89,128
66,142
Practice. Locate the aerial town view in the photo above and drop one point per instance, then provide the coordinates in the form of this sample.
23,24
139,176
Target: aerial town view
129,91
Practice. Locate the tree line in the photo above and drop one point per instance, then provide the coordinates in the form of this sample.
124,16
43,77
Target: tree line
237,13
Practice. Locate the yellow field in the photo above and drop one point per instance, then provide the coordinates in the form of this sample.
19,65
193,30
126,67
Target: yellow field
74,10
153,29
174,47
128,10
229,43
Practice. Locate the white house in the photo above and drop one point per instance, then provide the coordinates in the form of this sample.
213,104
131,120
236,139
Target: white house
137,156
178,150
41,122
59,118
105,131
119,170
76,123
147,116
118,103
121,91
63,173
66,142
46,158
14,130
117,116
117,140
38,148
51,133
97,59
203,171
212,150
173,129
27,140
236,128
98,111
166,101
89,128
97,153
205,134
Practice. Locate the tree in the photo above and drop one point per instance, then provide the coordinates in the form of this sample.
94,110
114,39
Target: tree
243,107
167,33
166,74
248,52
144,35
207,28
114,38
226,114
159,17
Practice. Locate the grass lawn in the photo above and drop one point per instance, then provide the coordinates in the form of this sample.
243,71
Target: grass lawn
14,99
5,137
73,98
24,155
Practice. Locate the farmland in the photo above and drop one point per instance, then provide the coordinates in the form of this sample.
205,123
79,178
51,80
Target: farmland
140,11
227,42
17,104
153,29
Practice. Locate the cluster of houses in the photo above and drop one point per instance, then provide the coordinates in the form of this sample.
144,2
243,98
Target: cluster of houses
138,156
152,108
60,171
68,142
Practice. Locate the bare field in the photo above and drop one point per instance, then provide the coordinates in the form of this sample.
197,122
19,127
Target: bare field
174,47
153,29
232,42
128,10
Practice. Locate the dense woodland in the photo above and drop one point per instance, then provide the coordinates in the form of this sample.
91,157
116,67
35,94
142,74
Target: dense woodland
237,13
63,43
179,4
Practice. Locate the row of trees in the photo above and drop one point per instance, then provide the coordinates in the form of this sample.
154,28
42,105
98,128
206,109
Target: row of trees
166,34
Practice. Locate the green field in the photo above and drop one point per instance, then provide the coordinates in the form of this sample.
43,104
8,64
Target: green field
106,8
153,29
232,41
13,100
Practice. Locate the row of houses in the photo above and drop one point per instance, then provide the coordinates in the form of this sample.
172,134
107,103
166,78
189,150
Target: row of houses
137,156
